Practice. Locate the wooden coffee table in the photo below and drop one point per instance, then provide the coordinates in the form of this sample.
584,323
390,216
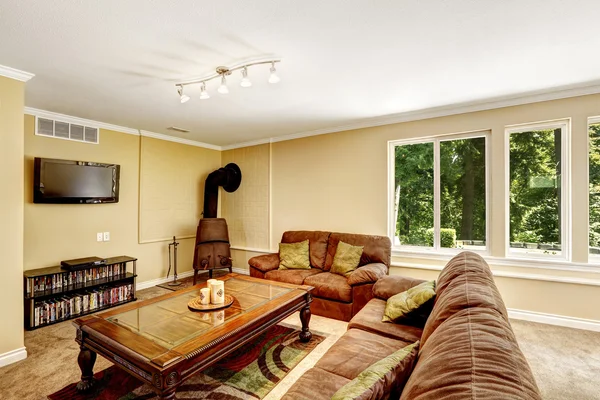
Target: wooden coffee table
162,342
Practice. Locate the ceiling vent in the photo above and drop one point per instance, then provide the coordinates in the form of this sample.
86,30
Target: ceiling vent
176,129
65,130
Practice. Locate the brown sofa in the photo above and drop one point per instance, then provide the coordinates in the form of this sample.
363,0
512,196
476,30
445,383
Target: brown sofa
468,349
335,296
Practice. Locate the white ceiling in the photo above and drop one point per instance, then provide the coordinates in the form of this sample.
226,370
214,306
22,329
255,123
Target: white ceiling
344,61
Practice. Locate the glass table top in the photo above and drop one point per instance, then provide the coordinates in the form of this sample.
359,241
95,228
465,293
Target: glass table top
170,322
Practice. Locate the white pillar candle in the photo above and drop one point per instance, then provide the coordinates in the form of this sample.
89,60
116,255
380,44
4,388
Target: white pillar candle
208,282
205,296
217,292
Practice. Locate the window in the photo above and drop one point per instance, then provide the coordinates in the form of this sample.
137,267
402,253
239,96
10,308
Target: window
594,186
538,197
438,193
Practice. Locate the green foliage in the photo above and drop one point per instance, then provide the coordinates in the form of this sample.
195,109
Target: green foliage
447,237
594,188
527,237
462,191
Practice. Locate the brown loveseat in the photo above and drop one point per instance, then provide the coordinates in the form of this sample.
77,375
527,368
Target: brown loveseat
468,349
335,296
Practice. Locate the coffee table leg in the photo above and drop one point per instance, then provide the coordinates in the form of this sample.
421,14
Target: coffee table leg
167,396
86,360
305,335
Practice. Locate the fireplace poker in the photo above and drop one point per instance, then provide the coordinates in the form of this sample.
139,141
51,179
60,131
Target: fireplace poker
174,244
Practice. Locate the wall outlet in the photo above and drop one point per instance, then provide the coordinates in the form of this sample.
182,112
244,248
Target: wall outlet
99,237
106,236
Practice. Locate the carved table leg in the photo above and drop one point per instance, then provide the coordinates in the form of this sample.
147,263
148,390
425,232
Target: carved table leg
86,360
168,396
305,335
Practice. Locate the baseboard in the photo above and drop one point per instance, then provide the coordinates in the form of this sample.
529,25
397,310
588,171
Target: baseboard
158,281
553,319
240,271
13,356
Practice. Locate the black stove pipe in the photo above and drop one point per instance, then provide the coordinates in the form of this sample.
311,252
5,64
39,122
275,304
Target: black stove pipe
229,177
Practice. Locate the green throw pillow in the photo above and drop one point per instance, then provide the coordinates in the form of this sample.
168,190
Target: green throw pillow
294,255
408,303
384,379
346,259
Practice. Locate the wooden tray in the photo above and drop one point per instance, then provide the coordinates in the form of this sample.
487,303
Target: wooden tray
195,304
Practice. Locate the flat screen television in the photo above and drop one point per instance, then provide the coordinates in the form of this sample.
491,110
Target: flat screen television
74,182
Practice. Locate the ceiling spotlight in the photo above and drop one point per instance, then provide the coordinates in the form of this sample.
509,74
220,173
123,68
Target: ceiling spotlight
203,93
183,97
273,78
223,88
245,80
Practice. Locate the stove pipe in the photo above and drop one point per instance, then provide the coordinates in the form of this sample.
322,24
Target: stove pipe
229,177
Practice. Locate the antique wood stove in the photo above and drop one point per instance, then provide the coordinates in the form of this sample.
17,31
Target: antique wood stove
212,250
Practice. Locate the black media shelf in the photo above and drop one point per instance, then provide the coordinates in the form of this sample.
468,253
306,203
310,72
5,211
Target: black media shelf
43,295
54,291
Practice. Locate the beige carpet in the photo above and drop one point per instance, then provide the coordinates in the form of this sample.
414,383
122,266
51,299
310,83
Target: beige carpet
566,362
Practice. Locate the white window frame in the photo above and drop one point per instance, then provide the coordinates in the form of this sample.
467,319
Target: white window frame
592,258
566,216
436,140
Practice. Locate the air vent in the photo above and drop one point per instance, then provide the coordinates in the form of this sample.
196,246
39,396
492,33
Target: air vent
65,130
174,128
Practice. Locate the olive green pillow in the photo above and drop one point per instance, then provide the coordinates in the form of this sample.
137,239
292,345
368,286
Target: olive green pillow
294,255
346,259
408,304
382,380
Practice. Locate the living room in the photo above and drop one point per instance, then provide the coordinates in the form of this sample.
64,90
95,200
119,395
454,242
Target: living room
325,149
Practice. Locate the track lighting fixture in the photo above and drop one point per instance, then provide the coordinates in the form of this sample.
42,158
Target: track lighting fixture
223,89
182,97
223,72
273,78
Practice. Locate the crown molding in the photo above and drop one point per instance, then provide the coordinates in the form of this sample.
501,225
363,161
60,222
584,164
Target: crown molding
443,111
15,73
176,139
246,144
79,121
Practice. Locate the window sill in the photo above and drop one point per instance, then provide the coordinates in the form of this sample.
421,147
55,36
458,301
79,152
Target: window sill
541,263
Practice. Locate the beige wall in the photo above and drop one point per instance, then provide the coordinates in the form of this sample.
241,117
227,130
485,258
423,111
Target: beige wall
55,232
172,188
11,214
338,182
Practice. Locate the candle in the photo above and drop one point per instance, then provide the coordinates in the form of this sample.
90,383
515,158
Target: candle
209,282
217,292
205,296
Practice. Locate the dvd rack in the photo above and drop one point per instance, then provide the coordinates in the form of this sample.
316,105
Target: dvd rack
54,294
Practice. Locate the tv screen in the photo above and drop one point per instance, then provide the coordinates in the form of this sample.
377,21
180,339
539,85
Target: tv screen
66,181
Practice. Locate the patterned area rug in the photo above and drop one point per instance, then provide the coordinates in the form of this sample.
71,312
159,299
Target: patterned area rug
248,373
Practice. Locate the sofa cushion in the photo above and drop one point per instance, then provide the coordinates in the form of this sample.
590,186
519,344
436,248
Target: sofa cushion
355,351
294,255
376,249
346,259
390,285
315,384
317,244
465,282
384,379
369,319
330,286
414,303
293,276
473,354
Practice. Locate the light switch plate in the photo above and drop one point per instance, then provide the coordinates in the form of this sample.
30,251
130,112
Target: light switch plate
99,237
106,236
